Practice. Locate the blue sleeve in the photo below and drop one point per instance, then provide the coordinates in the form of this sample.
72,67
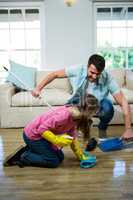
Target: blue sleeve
72,71
76,74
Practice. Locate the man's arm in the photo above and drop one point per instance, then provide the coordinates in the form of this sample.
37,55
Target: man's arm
50,77
121,100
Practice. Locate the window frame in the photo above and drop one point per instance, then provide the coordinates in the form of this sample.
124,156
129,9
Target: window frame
94,29
35,5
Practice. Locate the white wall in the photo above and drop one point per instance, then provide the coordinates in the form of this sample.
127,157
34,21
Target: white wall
68,33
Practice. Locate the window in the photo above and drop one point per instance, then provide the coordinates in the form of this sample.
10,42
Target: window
20,36
114,32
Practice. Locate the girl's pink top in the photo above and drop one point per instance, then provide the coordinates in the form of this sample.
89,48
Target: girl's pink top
58,120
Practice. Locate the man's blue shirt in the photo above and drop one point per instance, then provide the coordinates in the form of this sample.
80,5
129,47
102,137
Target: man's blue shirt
105,84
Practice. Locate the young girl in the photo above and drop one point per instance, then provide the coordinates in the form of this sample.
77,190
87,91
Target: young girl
47,134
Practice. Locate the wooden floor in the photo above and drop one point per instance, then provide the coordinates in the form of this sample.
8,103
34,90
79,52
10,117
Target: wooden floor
110,179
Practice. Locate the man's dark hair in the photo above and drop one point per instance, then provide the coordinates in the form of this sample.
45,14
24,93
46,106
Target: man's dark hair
98,61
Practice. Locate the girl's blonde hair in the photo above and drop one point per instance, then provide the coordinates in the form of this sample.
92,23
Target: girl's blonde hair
88,107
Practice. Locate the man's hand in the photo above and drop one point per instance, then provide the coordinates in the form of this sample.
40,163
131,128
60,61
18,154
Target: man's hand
128,134
49,78
35,92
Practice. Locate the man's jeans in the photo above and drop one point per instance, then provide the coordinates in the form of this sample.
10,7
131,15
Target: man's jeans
105,114
41,154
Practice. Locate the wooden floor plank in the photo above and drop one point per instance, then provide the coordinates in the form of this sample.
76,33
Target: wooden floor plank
111,178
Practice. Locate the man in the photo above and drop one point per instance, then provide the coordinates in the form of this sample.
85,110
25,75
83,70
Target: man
95,80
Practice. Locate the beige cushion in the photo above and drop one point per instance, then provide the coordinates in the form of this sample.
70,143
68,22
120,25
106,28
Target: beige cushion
60,83
119,75
129,79
52,96
128,94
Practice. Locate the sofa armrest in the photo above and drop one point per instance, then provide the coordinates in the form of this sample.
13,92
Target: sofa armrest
7,90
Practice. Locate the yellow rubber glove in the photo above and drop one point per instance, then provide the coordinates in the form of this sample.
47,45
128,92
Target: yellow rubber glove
75,146
61,140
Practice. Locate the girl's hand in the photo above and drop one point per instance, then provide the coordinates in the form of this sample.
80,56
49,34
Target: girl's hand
63,140
58,140
67,136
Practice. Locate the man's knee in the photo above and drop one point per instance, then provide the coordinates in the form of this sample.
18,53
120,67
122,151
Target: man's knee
106,108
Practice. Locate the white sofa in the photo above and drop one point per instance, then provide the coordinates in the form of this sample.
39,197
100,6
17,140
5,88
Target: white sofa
17,108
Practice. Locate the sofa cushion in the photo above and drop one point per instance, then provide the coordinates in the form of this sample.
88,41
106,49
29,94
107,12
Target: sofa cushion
128,94
60,83
119,75
129,79
54,97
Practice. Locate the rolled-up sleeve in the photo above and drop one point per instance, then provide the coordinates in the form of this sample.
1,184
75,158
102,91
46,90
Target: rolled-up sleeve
72,74
71,71
76,75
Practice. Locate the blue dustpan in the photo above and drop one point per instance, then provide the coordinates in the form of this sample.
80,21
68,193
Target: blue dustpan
112,144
